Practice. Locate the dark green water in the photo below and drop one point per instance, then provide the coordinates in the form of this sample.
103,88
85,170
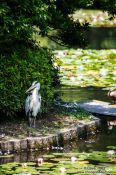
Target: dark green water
78,94
101,38
97,37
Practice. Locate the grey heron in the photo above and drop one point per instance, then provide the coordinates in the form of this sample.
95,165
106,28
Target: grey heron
33,103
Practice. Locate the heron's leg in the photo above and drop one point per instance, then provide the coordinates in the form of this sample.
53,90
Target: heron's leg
30,121
34,122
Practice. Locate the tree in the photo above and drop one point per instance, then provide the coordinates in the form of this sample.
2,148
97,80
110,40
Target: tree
22,61
20,56
18,19
107,5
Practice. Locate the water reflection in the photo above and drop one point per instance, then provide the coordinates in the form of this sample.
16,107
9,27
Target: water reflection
97,37
25,156
111,124
78,94
100,141
101,38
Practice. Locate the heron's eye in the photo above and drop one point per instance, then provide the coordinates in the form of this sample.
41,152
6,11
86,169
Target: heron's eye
34,83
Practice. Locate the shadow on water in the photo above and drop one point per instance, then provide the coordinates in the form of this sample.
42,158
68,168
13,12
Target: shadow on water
102,141
97,38
80,94
101,38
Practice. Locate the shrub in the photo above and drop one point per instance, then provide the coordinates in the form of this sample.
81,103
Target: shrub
18,70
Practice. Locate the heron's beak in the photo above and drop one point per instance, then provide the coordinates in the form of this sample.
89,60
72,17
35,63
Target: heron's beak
30,89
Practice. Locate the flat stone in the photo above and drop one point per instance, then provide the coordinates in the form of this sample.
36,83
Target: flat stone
37,142
81,129
23,144
91,126
17,145
4,146
67,134
99,107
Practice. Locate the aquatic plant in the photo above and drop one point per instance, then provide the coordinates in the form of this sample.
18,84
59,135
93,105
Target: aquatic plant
87,67
60,163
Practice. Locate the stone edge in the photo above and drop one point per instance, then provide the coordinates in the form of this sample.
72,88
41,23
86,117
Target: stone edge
36,143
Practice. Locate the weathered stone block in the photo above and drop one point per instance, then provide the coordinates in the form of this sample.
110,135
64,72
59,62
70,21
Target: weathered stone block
33,143
81,129
55,140
45,142
51,140
11,146
91,126
23,144
39,143
63,136
4,146
7,146
73,133
17,145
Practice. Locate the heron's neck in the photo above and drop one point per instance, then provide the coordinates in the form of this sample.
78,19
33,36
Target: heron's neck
35,92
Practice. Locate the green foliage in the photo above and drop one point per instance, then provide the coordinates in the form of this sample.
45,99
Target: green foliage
76,112
19,17
108,5
68,32
18,71
71,30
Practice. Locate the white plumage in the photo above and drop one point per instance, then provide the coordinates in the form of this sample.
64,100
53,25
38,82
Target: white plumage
33,103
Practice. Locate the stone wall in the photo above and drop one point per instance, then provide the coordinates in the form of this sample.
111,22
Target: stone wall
50,141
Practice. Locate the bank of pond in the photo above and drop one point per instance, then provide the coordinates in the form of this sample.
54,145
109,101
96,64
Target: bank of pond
93,153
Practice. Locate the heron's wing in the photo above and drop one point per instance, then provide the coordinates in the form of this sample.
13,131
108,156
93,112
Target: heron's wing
36,105
39,95
39,102
27,104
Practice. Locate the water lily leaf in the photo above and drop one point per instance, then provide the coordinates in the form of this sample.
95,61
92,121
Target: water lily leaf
49,156
111,147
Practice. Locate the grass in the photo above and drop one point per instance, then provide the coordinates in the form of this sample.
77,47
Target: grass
74,112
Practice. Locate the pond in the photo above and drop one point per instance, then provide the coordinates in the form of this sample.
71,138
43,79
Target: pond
97,38
93,153
101,38
81,94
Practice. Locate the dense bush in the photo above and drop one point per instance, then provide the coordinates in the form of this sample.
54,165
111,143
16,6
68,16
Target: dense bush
18,71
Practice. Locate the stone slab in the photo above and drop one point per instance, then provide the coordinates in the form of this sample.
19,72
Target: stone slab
99,107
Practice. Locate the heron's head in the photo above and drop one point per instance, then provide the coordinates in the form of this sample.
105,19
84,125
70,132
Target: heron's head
35,85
